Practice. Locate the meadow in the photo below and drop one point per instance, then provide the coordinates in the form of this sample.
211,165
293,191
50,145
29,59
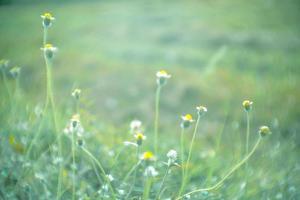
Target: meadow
146,99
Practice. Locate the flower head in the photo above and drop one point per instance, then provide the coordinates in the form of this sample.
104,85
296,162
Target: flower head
135,126
49,50
47,19
4,64
186,120
76,93
150,171
172,157
247,105
201,110
148,156
162,77
264,131
139,138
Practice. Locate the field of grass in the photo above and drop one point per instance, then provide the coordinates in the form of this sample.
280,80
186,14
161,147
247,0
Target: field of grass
219,54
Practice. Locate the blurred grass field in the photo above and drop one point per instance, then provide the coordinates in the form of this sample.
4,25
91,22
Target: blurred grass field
218,52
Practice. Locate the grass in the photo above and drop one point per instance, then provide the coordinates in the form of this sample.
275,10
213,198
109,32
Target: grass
218,52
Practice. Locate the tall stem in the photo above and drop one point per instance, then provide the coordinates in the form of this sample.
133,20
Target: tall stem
218,184
104,175
135,173
182,158
162,183
73,167
147,188
157,97
183,184
248,133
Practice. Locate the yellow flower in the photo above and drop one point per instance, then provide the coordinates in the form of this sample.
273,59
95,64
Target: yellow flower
247,105
162,77
186,120
47,19
139,138
148,155
49,50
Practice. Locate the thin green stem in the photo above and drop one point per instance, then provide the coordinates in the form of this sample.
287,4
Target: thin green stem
6,87
104,175
218,184
73,167
147,188
183,184
248,133
130,172
135,173
182,159
157,97
162,183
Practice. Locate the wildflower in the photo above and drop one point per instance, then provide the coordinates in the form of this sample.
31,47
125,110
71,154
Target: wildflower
172,156
135,126
162,77
247,105
110,177
139,138
47,19
148,156
49,50
74,126
76,93
4,64
264,131
201,110
150,171
186,120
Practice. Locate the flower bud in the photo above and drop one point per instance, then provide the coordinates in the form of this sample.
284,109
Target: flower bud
264,131
139,138
247,105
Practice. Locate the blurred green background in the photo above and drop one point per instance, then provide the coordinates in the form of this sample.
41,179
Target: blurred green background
219,52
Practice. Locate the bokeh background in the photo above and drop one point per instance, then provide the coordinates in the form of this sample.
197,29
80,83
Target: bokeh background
219,52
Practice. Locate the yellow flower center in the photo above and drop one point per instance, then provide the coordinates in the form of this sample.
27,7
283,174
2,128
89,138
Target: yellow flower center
139,136
148,155
47,15
163,72
48,46
188,117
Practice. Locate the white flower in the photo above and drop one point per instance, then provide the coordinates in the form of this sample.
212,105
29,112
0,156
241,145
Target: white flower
201,110
47,19
162,77
150,172
172,155
49,50
135,126
110,177
186,120
76,93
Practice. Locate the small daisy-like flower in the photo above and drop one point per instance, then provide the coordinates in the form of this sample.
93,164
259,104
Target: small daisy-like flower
135,126
148,156
139,138
172,156
49,50
201,110
247,105
76,93
150,171
162,77
47,19
186,120
15,72
264,131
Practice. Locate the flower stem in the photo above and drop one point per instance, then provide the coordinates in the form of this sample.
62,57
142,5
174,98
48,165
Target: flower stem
182,158
102,171
157,98
147,188
73,167
248,133
135,172
183,184
162,183
218,184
